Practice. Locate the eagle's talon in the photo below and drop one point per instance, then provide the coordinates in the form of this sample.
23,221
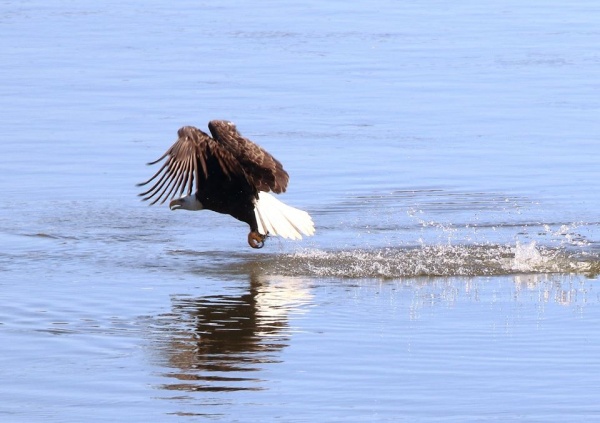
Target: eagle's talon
256,240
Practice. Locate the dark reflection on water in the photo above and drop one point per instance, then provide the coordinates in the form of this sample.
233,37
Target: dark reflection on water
219,342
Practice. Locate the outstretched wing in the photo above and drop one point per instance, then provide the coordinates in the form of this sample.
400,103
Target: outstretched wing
262,170
189,159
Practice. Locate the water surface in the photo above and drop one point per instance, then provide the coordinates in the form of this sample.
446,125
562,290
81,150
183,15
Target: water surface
448,154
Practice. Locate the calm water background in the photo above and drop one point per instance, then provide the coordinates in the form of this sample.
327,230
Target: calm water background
448,153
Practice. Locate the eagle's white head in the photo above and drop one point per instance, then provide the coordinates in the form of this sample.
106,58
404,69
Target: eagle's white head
189,202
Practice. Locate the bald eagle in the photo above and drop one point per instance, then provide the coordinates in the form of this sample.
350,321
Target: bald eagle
231,175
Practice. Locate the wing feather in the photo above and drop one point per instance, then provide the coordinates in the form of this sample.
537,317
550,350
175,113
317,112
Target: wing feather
187,164
262,170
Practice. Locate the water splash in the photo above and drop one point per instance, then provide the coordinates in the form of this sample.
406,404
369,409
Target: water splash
432,260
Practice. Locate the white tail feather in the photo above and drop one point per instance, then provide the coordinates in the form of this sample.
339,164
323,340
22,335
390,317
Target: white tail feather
276,218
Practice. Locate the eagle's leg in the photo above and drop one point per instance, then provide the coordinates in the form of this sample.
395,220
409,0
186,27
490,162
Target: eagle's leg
256,240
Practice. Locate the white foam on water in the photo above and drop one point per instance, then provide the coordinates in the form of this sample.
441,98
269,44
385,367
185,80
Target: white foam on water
528,258
435,260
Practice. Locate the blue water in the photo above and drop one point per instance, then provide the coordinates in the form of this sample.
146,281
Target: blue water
448,154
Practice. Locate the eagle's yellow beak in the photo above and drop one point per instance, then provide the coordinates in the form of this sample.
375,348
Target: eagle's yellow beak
175,204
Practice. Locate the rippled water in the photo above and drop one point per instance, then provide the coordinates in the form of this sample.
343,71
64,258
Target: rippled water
448,154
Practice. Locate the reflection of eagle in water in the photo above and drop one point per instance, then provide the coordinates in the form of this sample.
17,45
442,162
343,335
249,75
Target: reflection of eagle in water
232,175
